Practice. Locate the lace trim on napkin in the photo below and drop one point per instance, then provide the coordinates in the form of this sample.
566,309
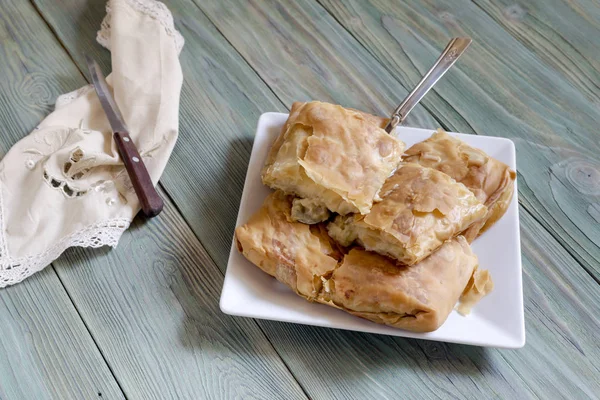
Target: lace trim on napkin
13,271
152,8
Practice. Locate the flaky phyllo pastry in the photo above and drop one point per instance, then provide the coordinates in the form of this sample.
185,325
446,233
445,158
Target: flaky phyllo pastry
490,180
420,209
332,158
295,253
353,226
479,286
417,298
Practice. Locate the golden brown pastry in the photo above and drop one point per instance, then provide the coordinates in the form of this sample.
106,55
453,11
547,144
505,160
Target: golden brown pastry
491,180
418,298
479,286
296,254
421,208
334,156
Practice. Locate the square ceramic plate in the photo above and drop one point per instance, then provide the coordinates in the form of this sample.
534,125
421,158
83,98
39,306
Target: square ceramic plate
497,321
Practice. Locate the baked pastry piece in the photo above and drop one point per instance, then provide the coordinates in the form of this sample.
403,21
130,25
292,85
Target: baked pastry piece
418,298
489,179
294,253
336,157
479,285
421,208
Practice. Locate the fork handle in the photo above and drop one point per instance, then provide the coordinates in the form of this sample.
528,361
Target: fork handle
151,202
453,50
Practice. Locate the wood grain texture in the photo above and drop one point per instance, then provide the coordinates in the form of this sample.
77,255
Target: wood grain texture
500,87
562,33
221,102
299,52
352,364
45,349
152,305
318,349
28,88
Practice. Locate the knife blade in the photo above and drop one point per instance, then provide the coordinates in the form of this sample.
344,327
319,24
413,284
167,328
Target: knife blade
150,201
108,103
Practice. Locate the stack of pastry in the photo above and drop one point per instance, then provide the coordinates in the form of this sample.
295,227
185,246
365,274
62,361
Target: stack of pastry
357,223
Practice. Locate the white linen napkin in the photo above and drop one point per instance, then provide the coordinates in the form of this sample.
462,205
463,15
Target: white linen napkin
64,184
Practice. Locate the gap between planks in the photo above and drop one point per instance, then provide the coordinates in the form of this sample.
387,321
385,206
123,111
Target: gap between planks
172,200
559,241
340,25
276,96
87,328
387,68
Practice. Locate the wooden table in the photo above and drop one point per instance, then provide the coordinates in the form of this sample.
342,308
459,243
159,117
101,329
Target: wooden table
143,322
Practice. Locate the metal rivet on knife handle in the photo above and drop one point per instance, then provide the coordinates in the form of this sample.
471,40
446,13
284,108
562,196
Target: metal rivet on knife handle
150,201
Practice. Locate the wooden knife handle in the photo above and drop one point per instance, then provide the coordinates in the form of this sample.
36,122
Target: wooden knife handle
150,201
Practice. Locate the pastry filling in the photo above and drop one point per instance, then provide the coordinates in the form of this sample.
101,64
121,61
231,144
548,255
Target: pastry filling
309,211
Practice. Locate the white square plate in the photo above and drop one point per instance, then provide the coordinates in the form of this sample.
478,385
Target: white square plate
497,321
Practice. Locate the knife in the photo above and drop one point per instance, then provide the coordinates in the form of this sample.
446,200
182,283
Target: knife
150,201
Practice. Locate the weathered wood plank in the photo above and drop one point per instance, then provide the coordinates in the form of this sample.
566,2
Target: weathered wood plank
241,22
45,349
562,33
205,177
313,60
318,64
500,87
152,306
28,88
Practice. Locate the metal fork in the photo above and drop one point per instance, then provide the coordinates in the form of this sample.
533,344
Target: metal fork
453,50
